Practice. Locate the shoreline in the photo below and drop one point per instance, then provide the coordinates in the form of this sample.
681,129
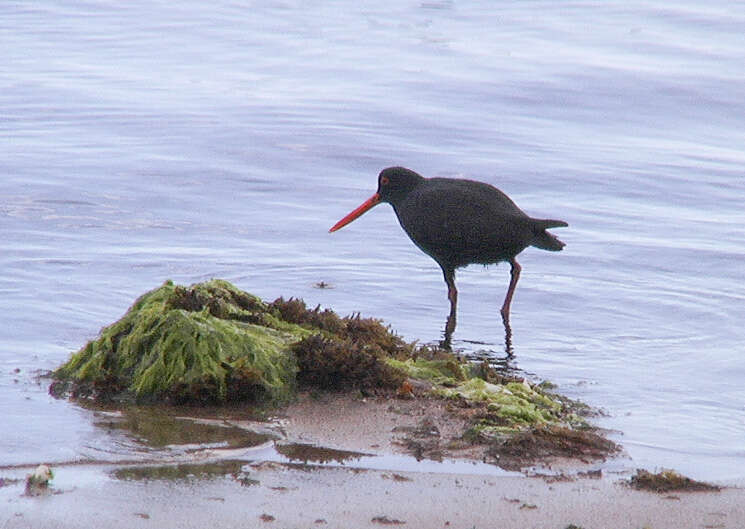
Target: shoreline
337,485
297,496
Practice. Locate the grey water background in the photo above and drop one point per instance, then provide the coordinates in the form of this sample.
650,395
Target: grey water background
145,141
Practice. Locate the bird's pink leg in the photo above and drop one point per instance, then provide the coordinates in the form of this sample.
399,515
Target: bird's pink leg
453,297
515,274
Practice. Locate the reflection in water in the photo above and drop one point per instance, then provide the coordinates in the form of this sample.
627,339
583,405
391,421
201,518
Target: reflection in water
157,428
507,335
308,453
505,365
180,472
446,342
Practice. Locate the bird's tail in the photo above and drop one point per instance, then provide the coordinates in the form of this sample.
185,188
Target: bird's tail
545,240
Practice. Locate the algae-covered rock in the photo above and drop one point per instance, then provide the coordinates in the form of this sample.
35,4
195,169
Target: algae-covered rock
213,343
545,441
207,343
442,371
343,353
334,364
516,402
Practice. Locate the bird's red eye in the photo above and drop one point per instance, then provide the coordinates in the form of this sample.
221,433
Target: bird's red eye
384,180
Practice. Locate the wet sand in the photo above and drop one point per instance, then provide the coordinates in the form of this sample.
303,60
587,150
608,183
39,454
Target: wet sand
261,487
278,495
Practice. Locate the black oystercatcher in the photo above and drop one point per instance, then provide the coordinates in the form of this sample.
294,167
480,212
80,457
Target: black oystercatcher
460,222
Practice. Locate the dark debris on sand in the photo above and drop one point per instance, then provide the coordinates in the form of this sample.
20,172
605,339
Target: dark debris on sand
550,441
668,481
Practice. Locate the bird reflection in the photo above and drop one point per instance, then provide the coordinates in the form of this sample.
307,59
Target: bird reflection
447,341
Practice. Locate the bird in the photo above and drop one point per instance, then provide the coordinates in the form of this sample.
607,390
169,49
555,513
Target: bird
458,222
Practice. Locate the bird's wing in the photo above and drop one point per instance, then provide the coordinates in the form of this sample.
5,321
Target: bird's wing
460,223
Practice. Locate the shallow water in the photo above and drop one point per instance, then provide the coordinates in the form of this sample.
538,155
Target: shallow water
146,141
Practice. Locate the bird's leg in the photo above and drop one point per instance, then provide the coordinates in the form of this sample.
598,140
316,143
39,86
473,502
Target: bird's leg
449,275
453,297
515,275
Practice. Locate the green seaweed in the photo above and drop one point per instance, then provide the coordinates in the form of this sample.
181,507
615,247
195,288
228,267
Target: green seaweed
202,344
446,372
517,403
213,343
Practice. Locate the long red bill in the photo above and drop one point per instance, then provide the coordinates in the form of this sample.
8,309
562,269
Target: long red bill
367,204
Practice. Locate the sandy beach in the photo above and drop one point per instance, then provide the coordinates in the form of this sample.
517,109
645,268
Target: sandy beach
363,478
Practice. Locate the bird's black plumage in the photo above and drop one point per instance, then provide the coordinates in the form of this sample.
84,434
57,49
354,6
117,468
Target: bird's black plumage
458,222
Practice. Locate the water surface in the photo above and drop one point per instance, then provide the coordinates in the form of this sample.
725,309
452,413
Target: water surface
150,141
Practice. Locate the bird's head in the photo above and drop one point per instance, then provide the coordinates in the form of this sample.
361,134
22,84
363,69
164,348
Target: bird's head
393,184
396,182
